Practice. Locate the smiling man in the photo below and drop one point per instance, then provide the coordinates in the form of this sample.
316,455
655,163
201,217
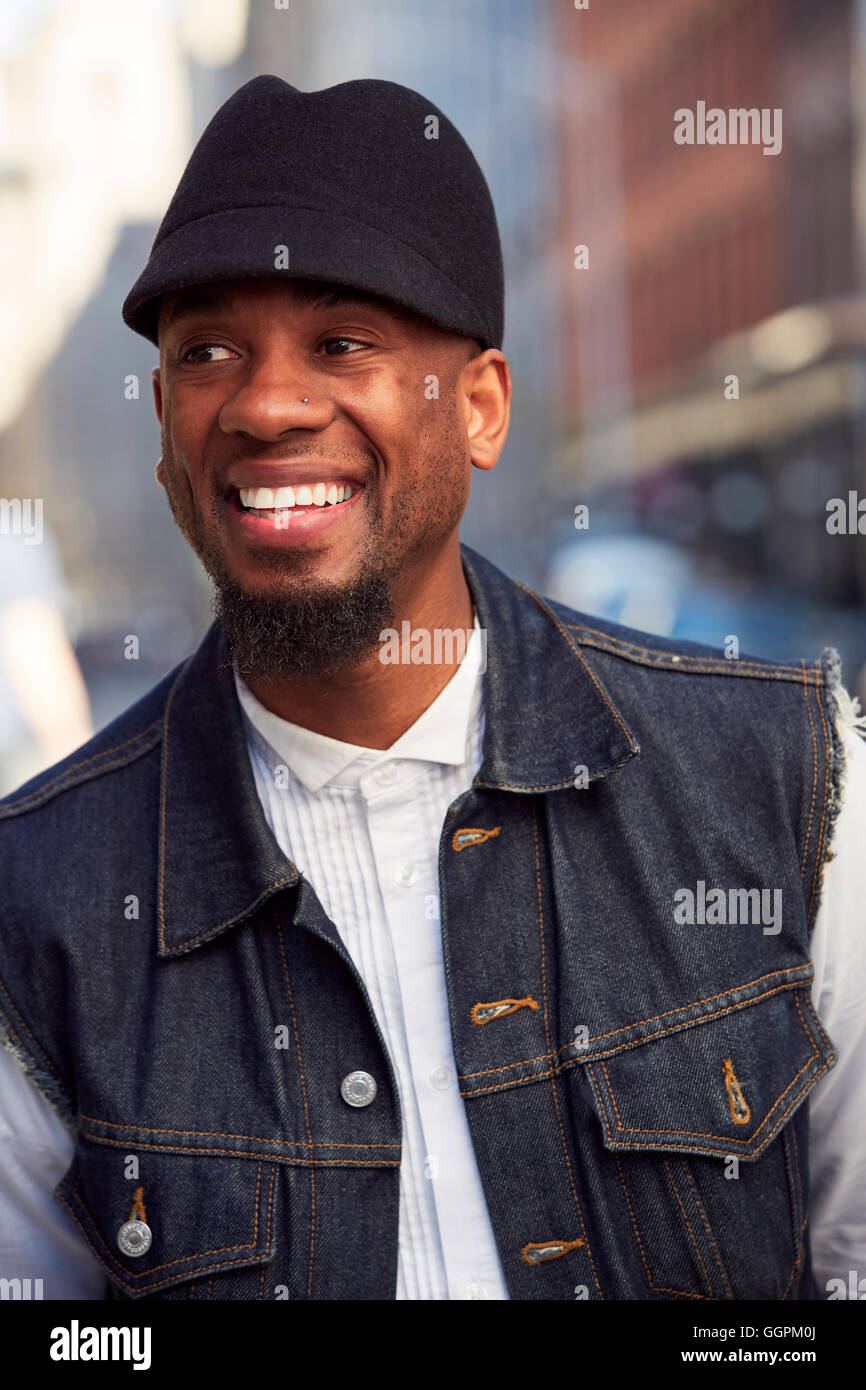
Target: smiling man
328,977
325,519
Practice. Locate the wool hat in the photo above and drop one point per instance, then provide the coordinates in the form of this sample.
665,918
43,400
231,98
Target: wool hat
366,183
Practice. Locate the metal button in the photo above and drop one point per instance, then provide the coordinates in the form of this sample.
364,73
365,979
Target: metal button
406,875
385,773
440,1077
358,1088
134,1238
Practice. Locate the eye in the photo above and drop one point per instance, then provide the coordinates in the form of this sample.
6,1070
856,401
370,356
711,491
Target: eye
190,354
357,342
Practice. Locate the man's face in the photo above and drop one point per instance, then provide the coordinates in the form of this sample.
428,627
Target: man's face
255,478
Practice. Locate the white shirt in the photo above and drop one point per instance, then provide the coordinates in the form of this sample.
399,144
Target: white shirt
385,809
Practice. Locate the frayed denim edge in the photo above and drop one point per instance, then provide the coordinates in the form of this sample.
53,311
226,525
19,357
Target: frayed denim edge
50,1089
845,713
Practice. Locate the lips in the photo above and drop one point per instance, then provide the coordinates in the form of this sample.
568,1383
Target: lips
289,526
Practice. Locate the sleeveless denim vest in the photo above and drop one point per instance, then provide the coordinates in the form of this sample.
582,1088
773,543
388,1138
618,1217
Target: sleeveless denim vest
627,895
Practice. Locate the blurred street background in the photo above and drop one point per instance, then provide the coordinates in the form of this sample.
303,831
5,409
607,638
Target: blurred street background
685,323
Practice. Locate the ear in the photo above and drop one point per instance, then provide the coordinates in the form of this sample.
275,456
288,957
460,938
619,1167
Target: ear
487,397
159,471
157,394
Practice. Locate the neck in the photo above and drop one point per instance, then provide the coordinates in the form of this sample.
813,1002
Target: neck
374,702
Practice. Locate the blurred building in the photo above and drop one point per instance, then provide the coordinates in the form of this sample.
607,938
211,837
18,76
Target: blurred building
703,263
708,262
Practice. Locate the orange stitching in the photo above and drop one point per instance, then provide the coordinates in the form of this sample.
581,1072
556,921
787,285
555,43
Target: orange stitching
612,1096
164,797
209,1282
245,1153
218,1134
637,1042
819,854
679,1292
268,1234
191,1293
184,1259
627,1027
71,772
704,1134
542,787
700,1206
547,1040
558,1248
511,1004
578,653
814,775
739,1106
191,940
676,1148
478,834
229,1264
689,1228
717,663
799,1250
304,1094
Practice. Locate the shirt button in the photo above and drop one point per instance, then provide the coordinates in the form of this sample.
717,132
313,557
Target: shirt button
474,1290
406,875
385,773
440,1077
358,1088
134,1238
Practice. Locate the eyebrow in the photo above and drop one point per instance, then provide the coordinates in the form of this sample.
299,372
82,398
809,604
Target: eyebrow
317,296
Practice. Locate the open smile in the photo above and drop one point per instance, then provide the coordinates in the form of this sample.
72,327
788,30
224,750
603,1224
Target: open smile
288,516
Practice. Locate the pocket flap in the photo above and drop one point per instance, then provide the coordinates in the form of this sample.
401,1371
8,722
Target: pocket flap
721,1087
204,1213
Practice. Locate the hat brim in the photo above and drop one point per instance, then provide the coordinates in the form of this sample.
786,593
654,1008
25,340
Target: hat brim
247,242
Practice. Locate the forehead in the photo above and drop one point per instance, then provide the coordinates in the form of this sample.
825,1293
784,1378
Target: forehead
232,296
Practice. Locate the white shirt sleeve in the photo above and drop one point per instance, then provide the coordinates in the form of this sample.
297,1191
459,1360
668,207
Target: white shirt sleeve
837,1105
38,1239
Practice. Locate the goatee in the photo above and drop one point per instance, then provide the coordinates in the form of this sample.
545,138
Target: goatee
303,633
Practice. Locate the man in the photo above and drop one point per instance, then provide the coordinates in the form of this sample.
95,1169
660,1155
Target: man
357,977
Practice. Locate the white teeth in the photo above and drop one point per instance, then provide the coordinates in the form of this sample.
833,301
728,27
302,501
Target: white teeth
286,498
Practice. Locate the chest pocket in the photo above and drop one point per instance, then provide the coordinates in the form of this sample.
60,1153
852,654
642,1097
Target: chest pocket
708,1170
210,1220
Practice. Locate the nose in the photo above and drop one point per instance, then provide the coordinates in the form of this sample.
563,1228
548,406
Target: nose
276,396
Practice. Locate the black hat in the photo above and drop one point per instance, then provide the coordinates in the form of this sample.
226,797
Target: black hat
366,183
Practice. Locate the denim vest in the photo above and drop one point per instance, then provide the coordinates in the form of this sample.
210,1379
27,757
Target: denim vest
634,1083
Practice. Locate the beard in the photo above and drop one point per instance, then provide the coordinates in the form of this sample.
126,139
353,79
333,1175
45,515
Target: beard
307,632
304,629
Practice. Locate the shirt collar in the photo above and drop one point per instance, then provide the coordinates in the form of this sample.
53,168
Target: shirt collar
439,735
546,710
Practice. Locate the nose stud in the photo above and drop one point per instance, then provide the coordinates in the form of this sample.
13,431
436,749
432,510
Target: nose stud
304,400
